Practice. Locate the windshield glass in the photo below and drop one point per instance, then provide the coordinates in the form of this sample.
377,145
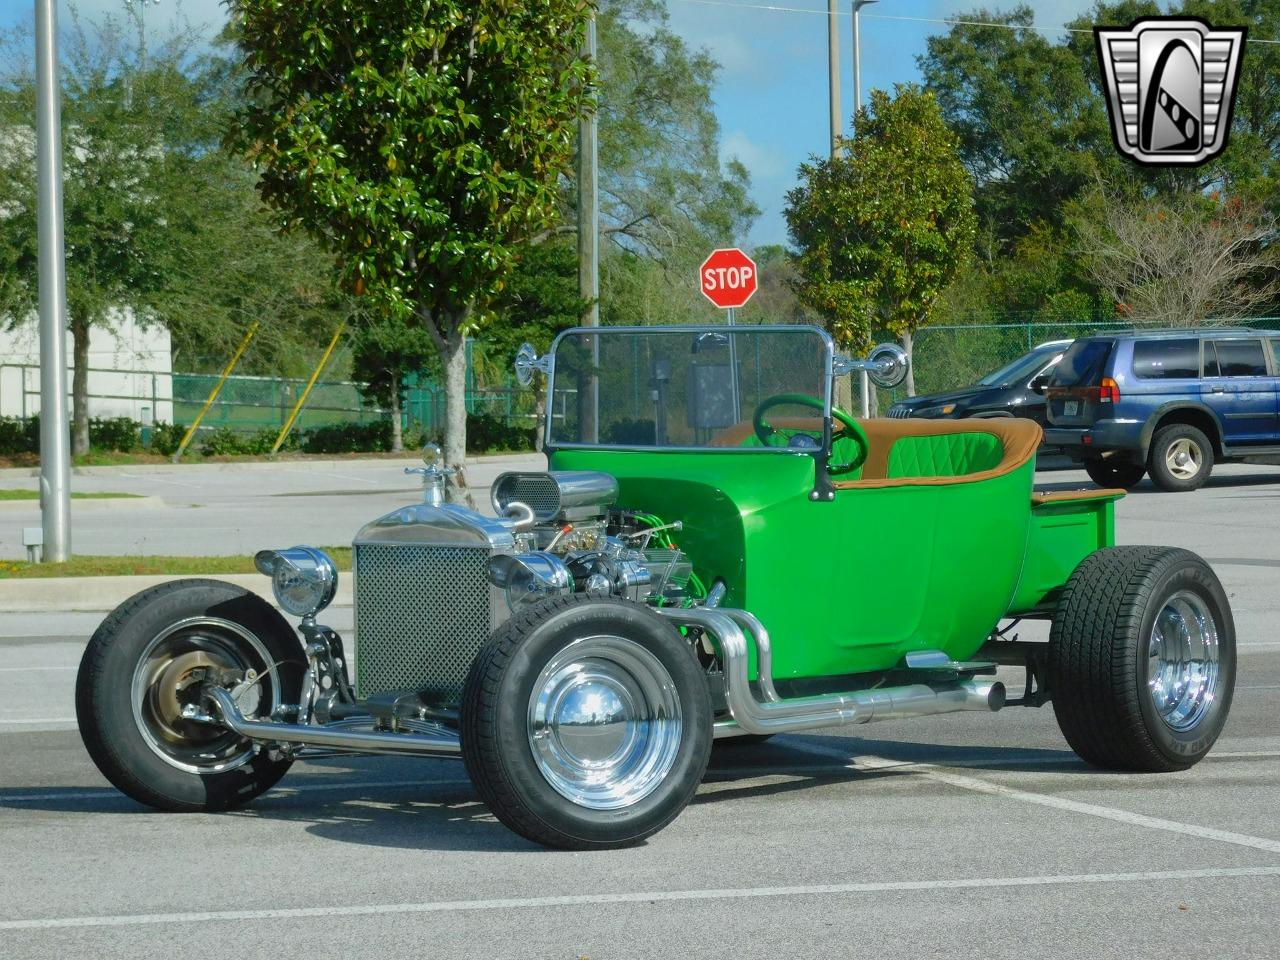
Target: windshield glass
1020,370
688,387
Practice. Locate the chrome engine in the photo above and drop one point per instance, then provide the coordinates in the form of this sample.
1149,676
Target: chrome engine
433,580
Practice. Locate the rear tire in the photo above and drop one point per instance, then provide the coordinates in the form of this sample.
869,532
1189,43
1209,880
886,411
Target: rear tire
1115,473
1180,459
586,723
1142,659
143,664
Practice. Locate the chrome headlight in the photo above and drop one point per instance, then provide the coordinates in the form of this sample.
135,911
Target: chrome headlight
530,577
304,579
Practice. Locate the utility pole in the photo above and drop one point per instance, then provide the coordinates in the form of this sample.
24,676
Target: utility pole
833,76
589,249
864,380
55,443
589,204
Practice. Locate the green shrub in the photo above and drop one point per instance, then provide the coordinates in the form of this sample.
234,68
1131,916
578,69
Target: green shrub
223,442
19,436
114,433
486,433
165,437
348,438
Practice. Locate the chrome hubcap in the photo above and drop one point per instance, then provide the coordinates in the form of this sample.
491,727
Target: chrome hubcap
168,677
1184,458
604,722
1182,662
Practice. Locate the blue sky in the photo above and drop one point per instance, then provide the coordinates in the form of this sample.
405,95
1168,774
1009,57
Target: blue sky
771,97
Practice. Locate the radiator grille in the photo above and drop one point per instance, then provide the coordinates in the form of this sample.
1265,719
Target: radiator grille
422,613
900,413
540,492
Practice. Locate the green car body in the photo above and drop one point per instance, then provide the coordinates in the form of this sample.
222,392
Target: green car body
941,566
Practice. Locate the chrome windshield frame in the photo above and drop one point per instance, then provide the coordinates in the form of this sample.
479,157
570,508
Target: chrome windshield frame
828,380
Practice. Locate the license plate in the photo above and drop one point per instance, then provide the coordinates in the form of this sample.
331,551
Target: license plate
1070,408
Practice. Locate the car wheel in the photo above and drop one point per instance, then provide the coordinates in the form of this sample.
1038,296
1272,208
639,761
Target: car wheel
1181,458
1142,659
1115,473
586,723
146,662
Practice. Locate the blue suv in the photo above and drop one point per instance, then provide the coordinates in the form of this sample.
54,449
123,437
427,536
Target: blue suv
1170,403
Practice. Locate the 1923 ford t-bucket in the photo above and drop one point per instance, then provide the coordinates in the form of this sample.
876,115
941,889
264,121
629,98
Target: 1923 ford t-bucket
698,562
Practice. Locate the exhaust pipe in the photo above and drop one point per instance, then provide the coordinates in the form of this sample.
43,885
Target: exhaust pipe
772,714
437,744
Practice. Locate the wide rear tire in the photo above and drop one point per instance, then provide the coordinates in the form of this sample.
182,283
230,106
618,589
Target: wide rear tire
144,663
1142,659
1115,473
586,723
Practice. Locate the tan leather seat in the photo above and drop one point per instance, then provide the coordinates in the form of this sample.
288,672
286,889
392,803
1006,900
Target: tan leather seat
1018,439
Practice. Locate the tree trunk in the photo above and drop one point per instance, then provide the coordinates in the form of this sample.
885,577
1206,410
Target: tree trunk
397,428
908,345
80,386
454,356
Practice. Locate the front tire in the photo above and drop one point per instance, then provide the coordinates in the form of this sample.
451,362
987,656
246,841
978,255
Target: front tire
1142,659
147,661
1115,473
586,723
1180,458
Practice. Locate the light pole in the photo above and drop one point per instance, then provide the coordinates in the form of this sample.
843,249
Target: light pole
865,381
857,57
55,444
833,76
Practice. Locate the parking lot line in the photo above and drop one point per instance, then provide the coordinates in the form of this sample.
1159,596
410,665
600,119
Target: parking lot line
978,785
644,896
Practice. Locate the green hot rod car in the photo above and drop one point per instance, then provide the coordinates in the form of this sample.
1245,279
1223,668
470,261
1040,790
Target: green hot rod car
715,551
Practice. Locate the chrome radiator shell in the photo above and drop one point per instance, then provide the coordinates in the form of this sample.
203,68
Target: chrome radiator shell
424,605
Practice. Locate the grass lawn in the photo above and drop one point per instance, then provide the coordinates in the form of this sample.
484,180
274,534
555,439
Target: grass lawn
35,495
141,566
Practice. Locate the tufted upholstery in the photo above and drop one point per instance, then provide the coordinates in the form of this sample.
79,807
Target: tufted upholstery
949,455
917,452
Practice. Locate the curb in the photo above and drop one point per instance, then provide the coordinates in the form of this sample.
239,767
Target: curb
146,468
78,503
101,594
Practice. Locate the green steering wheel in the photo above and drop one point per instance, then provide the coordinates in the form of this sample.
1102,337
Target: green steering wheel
765,431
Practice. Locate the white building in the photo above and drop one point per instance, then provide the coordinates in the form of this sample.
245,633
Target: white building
130,372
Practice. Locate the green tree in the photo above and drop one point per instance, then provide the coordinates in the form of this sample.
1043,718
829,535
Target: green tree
882,230
130,117
420,144
385,352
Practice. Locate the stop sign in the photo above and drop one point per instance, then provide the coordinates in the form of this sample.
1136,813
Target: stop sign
728,277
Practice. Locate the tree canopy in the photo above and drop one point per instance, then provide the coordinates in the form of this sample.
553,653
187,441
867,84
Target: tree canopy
420,144
882,229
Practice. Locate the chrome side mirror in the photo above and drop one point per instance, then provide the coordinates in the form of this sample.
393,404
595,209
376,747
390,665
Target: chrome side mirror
528,363
886,365
889,365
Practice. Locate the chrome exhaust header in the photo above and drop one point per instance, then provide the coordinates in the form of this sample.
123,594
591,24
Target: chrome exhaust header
735,629
441,742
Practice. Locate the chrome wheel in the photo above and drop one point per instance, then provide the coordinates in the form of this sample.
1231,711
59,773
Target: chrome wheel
1184,458
604,722
1183,661
168,677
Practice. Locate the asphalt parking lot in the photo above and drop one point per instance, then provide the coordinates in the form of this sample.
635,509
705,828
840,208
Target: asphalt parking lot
955,836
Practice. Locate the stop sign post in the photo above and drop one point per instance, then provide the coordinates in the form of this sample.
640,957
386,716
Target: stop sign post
728,279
